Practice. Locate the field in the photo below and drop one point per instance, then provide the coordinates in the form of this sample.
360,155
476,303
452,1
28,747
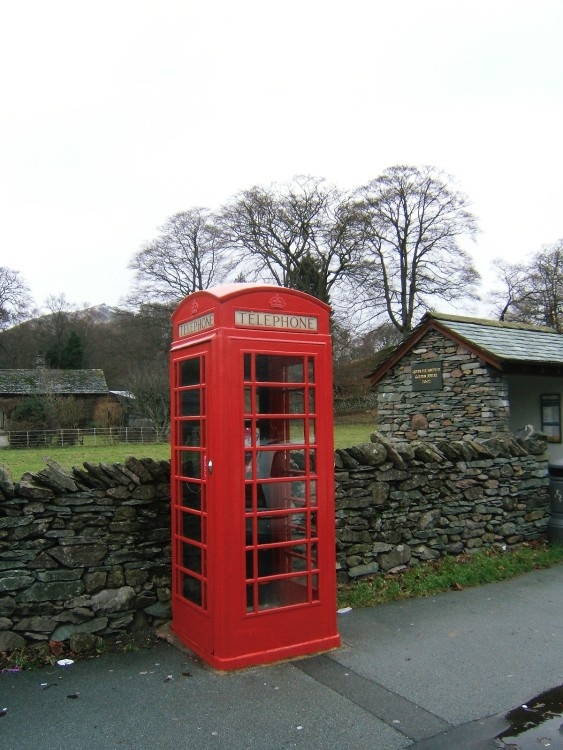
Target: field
18,461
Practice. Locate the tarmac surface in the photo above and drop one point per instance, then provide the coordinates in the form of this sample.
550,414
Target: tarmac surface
439,673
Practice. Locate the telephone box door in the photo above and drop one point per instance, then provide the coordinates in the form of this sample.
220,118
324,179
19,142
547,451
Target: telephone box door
190,508
281,455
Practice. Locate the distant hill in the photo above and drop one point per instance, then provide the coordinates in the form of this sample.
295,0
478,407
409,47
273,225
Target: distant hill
96,314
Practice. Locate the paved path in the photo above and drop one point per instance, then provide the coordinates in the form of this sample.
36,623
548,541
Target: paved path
429,674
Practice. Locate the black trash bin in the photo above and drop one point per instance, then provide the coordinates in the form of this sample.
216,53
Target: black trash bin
555,524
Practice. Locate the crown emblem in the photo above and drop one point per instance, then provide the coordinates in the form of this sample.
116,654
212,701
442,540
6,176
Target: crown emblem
277,302
195,307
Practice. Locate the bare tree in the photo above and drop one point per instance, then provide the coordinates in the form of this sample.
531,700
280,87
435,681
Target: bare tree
15,298
150,387
512,278
351,344
411,220
187,256
299,235
534,290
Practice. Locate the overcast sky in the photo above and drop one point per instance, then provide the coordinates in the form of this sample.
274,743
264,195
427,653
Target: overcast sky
116,114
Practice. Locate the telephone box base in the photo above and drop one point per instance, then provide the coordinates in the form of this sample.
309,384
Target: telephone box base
243,661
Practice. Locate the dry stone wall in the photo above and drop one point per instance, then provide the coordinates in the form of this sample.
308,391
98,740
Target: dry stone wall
84,555
400,503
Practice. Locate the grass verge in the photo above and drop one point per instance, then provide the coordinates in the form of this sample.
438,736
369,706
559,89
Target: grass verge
450,573
20,460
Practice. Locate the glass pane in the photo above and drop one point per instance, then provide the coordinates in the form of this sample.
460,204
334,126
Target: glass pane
297,527
189,372
258,531
248,367
274,494
190,433
190,464
248,400
313,492
285,430
283,463
278,400
193,590
315,588
191,558
286,528
296,371
311,371
297,560
297,431
267,596
191,495
312,435
263,559
191,526
273,594
283,593
296,400
273,430
250,597
190,403
313,525
314,556
279,369
298,492
312,401
296,462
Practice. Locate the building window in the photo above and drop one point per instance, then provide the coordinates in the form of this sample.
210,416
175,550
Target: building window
551,416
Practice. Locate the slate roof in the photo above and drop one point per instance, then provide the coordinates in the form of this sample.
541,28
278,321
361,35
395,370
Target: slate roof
507,341
59,382
505,346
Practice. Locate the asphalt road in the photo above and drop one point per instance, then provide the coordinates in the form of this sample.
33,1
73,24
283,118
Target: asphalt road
439,673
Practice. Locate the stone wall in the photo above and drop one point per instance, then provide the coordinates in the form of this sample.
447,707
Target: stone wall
473,400
401,503
84,555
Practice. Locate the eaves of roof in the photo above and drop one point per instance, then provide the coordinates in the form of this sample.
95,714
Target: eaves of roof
504,346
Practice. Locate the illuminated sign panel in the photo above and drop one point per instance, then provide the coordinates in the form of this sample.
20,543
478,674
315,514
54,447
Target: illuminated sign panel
285,321
197,324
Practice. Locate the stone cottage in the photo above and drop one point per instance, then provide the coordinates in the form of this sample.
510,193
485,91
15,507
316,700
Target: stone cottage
464,378
87,389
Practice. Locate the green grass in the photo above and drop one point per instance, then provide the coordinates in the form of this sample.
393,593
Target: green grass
347,435
450,573
20,460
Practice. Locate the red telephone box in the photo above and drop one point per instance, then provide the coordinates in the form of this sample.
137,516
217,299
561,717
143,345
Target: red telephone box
253,551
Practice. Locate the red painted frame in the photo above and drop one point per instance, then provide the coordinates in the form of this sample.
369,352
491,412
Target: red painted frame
252,483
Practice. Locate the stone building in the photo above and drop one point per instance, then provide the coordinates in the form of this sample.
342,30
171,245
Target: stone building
86,389
464,378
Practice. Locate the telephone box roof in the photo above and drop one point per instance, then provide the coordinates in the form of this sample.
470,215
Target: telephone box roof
225,291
